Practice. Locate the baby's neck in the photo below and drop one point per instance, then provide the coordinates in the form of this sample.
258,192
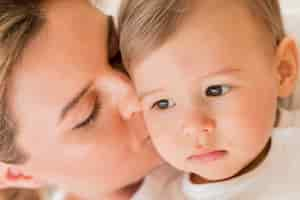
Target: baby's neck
196,179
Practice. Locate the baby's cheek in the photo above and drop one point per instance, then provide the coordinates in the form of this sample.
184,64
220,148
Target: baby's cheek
159,123
168,149
159,132
161,136
251,134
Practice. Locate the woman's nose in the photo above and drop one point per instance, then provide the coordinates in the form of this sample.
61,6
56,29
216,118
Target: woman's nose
121,92
200,127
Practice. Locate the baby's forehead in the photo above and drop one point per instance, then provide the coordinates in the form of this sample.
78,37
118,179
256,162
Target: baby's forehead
263,17
214,13
221,24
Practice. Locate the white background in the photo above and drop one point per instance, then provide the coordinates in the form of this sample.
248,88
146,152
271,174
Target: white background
291,15
290,5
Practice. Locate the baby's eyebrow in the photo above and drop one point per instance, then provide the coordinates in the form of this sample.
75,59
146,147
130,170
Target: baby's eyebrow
145,94
225,70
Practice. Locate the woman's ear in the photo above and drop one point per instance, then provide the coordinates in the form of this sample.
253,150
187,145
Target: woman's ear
12,176
287,66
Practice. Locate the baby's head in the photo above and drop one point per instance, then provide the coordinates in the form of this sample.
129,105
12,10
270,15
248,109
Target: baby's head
209,74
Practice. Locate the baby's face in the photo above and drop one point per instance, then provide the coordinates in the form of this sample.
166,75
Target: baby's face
210,94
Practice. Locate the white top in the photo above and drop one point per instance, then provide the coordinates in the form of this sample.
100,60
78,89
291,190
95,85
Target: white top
277,177
289,119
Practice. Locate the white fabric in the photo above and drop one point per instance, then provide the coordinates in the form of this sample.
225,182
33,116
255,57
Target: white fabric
276,178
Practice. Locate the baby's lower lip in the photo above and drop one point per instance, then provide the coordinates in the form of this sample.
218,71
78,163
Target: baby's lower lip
209,156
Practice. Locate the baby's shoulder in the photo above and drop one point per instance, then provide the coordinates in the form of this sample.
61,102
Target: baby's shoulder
285,145
286,141
286,136
289,118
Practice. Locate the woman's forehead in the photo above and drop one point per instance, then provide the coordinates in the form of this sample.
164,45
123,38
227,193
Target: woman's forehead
46,89
62,58
72,37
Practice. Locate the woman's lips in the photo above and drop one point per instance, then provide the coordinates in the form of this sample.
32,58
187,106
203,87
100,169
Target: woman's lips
208,156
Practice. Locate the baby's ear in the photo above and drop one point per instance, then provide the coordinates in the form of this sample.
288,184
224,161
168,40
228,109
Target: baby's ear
11,176
287,68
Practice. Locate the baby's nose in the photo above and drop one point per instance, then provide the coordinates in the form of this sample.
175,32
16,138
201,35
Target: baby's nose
199,127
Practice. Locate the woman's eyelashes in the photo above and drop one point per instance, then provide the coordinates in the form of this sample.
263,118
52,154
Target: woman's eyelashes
91,117
217,90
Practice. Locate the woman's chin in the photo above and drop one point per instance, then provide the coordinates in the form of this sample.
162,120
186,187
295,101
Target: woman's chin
131,189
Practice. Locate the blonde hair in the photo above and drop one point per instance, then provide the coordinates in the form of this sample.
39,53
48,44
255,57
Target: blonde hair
19,20
145,25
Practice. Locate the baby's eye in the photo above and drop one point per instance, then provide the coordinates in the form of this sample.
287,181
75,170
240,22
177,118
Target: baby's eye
163,104
217,90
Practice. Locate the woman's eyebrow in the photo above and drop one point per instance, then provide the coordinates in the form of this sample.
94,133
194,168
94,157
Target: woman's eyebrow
74,100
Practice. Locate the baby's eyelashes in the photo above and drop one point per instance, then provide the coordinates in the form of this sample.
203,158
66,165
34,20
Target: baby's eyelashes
157,101
217,90
163,104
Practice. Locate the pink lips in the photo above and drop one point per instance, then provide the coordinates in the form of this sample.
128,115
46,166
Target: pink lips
209,156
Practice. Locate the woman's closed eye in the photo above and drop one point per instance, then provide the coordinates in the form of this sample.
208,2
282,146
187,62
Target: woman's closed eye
217,90
91,117
163,104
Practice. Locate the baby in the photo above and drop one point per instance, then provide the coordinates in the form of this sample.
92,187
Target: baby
210,75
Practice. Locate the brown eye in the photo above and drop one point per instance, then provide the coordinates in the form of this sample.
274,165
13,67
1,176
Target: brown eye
91,117
217,90
163,104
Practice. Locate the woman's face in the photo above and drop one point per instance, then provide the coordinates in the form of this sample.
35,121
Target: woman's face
70,107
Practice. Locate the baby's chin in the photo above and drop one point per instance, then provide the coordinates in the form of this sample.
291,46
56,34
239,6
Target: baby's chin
214,174
211,177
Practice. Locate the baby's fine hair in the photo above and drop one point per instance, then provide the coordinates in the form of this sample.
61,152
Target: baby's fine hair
145,25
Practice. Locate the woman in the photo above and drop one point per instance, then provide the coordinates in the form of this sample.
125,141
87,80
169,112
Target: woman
67,118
